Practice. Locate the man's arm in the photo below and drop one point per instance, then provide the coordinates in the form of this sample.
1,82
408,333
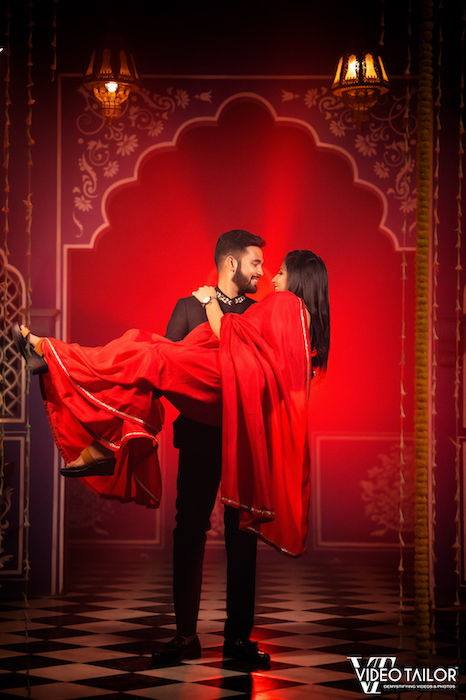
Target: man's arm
178,327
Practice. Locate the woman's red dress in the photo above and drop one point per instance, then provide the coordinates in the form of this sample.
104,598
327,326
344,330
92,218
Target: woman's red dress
254,382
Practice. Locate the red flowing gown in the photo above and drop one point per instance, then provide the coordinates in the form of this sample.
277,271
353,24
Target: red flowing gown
254,382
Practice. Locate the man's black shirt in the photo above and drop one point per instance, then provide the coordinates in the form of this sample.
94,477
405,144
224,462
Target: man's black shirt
187,315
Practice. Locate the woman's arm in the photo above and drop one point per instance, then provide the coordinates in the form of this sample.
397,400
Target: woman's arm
212,307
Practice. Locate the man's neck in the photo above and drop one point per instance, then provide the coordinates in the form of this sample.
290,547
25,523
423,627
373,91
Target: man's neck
228,287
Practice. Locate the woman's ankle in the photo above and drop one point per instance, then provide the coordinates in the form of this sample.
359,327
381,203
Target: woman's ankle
98,450
34,340
38,346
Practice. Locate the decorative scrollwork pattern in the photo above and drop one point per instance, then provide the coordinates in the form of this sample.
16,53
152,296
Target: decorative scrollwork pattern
104,154
381,141
5,506
380,493
12,307
83,513
104,145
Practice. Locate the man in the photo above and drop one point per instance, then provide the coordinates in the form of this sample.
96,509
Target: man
239,260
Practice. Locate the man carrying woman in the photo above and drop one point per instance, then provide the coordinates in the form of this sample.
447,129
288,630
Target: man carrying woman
250,373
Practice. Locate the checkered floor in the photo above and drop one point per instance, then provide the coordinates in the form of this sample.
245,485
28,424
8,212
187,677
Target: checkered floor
96,639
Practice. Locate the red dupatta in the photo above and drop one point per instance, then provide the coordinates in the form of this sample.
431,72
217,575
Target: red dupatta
265,362
262,372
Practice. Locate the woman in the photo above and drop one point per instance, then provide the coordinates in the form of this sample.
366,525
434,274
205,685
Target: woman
250,372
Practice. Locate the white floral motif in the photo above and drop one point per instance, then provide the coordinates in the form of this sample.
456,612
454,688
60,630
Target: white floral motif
106,149
408,205
156,128
381,170
380,492
111,168
82,203
383,140
105,144
182,98
288,96
127,145
204,96
365,145
337,129
311,97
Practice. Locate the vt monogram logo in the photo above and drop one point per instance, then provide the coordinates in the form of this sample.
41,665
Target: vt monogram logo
372,671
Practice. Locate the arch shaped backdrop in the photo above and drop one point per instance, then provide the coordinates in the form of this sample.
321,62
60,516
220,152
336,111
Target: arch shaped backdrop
141,206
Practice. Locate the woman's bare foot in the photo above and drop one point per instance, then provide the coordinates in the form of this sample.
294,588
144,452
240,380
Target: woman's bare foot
97,451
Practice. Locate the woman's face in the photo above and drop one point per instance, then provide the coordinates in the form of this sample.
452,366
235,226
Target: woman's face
280,281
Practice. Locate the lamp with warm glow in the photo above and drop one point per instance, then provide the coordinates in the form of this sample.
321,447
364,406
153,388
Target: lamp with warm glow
111,76
359,81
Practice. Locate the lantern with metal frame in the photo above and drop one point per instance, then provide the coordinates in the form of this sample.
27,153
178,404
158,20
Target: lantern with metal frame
111,76
359,81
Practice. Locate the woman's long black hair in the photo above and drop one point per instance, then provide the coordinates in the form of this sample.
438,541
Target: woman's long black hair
307,278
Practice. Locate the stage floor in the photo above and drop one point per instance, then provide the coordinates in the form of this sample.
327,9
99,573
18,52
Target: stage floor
96,639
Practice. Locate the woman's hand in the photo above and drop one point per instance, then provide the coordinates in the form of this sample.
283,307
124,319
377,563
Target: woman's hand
213,311
204,292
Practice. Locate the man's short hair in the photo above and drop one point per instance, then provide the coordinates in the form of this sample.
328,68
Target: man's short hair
235,243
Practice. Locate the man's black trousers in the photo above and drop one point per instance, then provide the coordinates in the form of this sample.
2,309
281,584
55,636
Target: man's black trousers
199,474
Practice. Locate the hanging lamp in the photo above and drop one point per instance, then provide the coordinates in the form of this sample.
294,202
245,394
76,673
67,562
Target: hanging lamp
360,79
111,76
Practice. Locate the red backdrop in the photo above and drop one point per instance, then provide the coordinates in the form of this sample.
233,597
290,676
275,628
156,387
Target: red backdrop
250,172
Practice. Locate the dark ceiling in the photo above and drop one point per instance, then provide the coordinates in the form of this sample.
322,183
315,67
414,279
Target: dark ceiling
254,38
220,37
239,37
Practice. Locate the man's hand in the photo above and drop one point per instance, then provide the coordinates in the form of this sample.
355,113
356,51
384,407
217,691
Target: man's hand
204,292
212,309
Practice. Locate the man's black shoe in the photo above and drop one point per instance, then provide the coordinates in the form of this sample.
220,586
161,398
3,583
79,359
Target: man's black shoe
247,652
176,651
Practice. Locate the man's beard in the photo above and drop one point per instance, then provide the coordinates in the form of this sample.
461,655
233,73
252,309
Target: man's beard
244,284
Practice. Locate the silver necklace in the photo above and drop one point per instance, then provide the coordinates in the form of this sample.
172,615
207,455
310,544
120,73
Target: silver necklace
227,300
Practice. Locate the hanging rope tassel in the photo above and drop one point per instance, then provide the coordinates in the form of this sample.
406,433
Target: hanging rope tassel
404,265
6,228
458,350
28,230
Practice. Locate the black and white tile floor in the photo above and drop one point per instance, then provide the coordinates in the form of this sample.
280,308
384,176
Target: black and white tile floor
96,640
